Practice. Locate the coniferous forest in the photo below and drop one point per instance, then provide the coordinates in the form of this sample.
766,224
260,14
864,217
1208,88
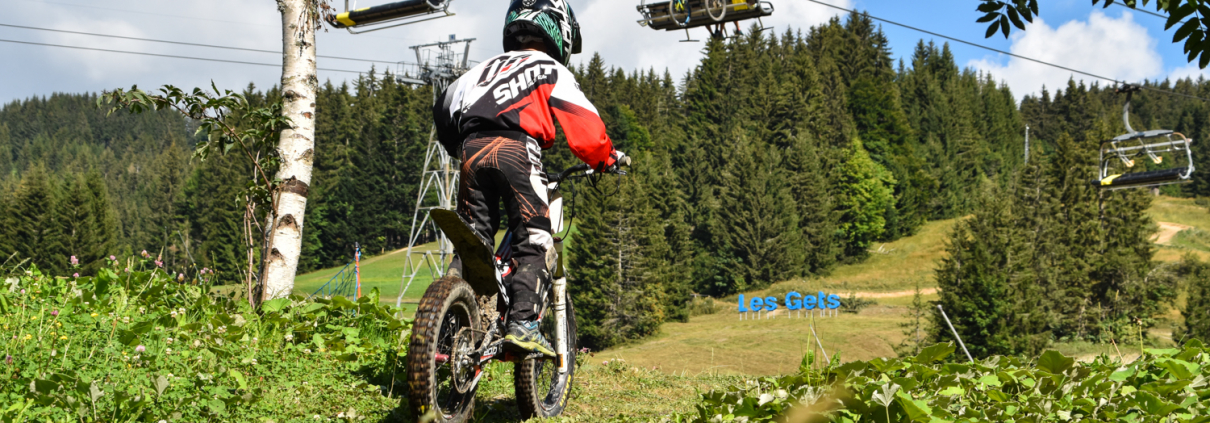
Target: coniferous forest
777,157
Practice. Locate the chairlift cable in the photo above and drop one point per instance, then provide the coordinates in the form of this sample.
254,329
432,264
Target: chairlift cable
164,55
957,40
183,43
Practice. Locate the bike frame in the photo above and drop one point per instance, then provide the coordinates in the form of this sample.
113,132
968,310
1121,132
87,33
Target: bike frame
470,249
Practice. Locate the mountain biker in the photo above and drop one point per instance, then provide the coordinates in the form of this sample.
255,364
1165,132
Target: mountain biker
497,119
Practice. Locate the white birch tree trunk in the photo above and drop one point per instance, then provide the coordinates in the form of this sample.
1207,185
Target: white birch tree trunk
299,84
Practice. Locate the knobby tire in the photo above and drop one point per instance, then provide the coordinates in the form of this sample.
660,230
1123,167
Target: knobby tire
448,305
540,390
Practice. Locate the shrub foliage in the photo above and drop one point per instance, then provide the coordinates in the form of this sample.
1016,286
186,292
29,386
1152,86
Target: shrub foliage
1164,385
146,346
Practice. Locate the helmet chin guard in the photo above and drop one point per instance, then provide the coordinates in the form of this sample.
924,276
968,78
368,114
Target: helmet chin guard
552,20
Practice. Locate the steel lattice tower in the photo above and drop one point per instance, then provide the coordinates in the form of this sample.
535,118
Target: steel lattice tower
438,65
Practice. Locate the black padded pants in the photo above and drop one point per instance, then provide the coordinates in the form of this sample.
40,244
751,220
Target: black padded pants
496,169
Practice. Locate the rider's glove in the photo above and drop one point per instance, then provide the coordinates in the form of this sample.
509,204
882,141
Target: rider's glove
619,160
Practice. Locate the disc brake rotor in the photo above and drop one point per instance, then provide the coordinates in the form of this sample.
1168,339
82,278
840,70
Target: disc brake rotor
463,363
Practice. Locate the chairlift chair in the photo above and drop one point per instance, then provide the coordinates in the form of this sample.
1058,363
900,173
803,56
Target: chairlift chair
390,15
674,15
1119,168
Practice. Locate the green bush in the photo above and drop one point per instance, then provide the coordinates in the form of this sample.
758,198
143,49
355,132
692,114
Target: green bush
145,346
1164,385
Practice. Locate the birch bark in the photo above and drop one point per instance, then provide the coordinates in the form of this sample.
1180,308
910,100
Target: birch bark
299,86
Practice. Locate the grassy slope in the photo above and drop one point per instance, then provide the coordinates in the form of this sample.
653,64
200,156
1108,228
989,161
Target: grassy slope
721,342
775,346
1185,212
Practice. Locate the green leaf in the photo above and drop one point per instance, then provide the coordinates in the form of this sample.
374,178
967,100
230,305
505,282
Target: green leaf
239,378
1055,362
916,410
161,384
991,29
934,353
274,305
94,392
1122,374
952,391
885,394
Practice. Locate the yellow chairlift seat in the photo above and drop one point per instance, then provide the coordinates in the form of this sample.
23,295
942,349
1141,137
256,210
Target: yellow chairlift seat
698,13
399,13
1117,163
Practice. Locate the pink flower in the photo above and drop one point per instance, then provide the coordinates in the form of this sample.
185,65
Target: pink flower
159,263
8,359
144,254
113,258
75,275
140,349
54,312
75,261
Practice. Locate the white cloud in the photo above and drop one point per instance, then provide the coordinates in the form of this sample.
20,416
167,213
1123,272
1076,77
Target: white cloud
1189,71
1114,48
609,27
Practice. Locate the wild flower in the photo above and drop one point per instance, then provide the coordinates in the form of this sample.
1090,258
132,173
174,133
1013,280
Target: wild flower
112,258
180,277
254,362
54,353
8,359
94,315
22,292
159,263
125,319
144,254
182,310
28,337
289,337
75,275
307,350
63,338
75,261
172,313
54,312
168,340
168,351
140,349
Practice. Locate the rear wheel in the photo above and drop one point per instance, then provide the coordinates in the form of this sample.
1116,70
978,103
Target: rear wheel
542,391
679,11
717,9
439,367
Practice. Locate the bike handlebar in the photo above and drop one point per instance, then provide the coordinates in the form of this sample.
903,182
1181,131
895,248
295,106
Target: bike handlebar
562,176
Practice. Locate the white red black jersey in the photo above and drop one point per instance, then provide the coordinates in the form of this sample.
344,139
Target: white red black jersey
523,91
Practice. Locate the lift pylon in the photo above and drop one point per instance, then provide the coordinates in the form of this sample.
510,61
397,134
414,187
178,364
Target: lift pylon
438,65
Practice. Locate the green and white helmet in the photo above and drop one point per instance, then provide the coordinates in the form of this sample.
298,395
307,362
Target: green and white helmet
551,20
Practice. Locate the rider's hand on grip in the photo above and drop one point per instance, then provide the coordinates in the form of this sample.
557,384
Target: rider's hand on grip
621,160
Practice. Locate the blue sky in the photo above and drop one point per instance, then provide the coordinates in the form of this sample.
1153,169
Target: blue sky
1114,42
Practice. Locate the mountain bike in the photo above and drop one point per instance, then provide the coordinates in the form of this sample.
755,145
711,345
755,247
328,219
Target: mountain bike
460,324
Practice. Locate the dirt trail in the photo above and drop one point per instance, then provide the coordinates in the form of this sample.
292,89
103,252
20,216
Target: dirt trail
1168,231
923,291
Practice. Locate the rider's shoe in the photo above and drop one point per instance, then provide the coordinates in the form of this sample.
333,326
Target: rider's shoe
525,335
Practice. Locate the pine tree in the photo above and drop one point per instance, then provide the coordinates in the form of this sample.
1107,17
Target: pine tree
757,219
975,279
866,193
31,221
1197,307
